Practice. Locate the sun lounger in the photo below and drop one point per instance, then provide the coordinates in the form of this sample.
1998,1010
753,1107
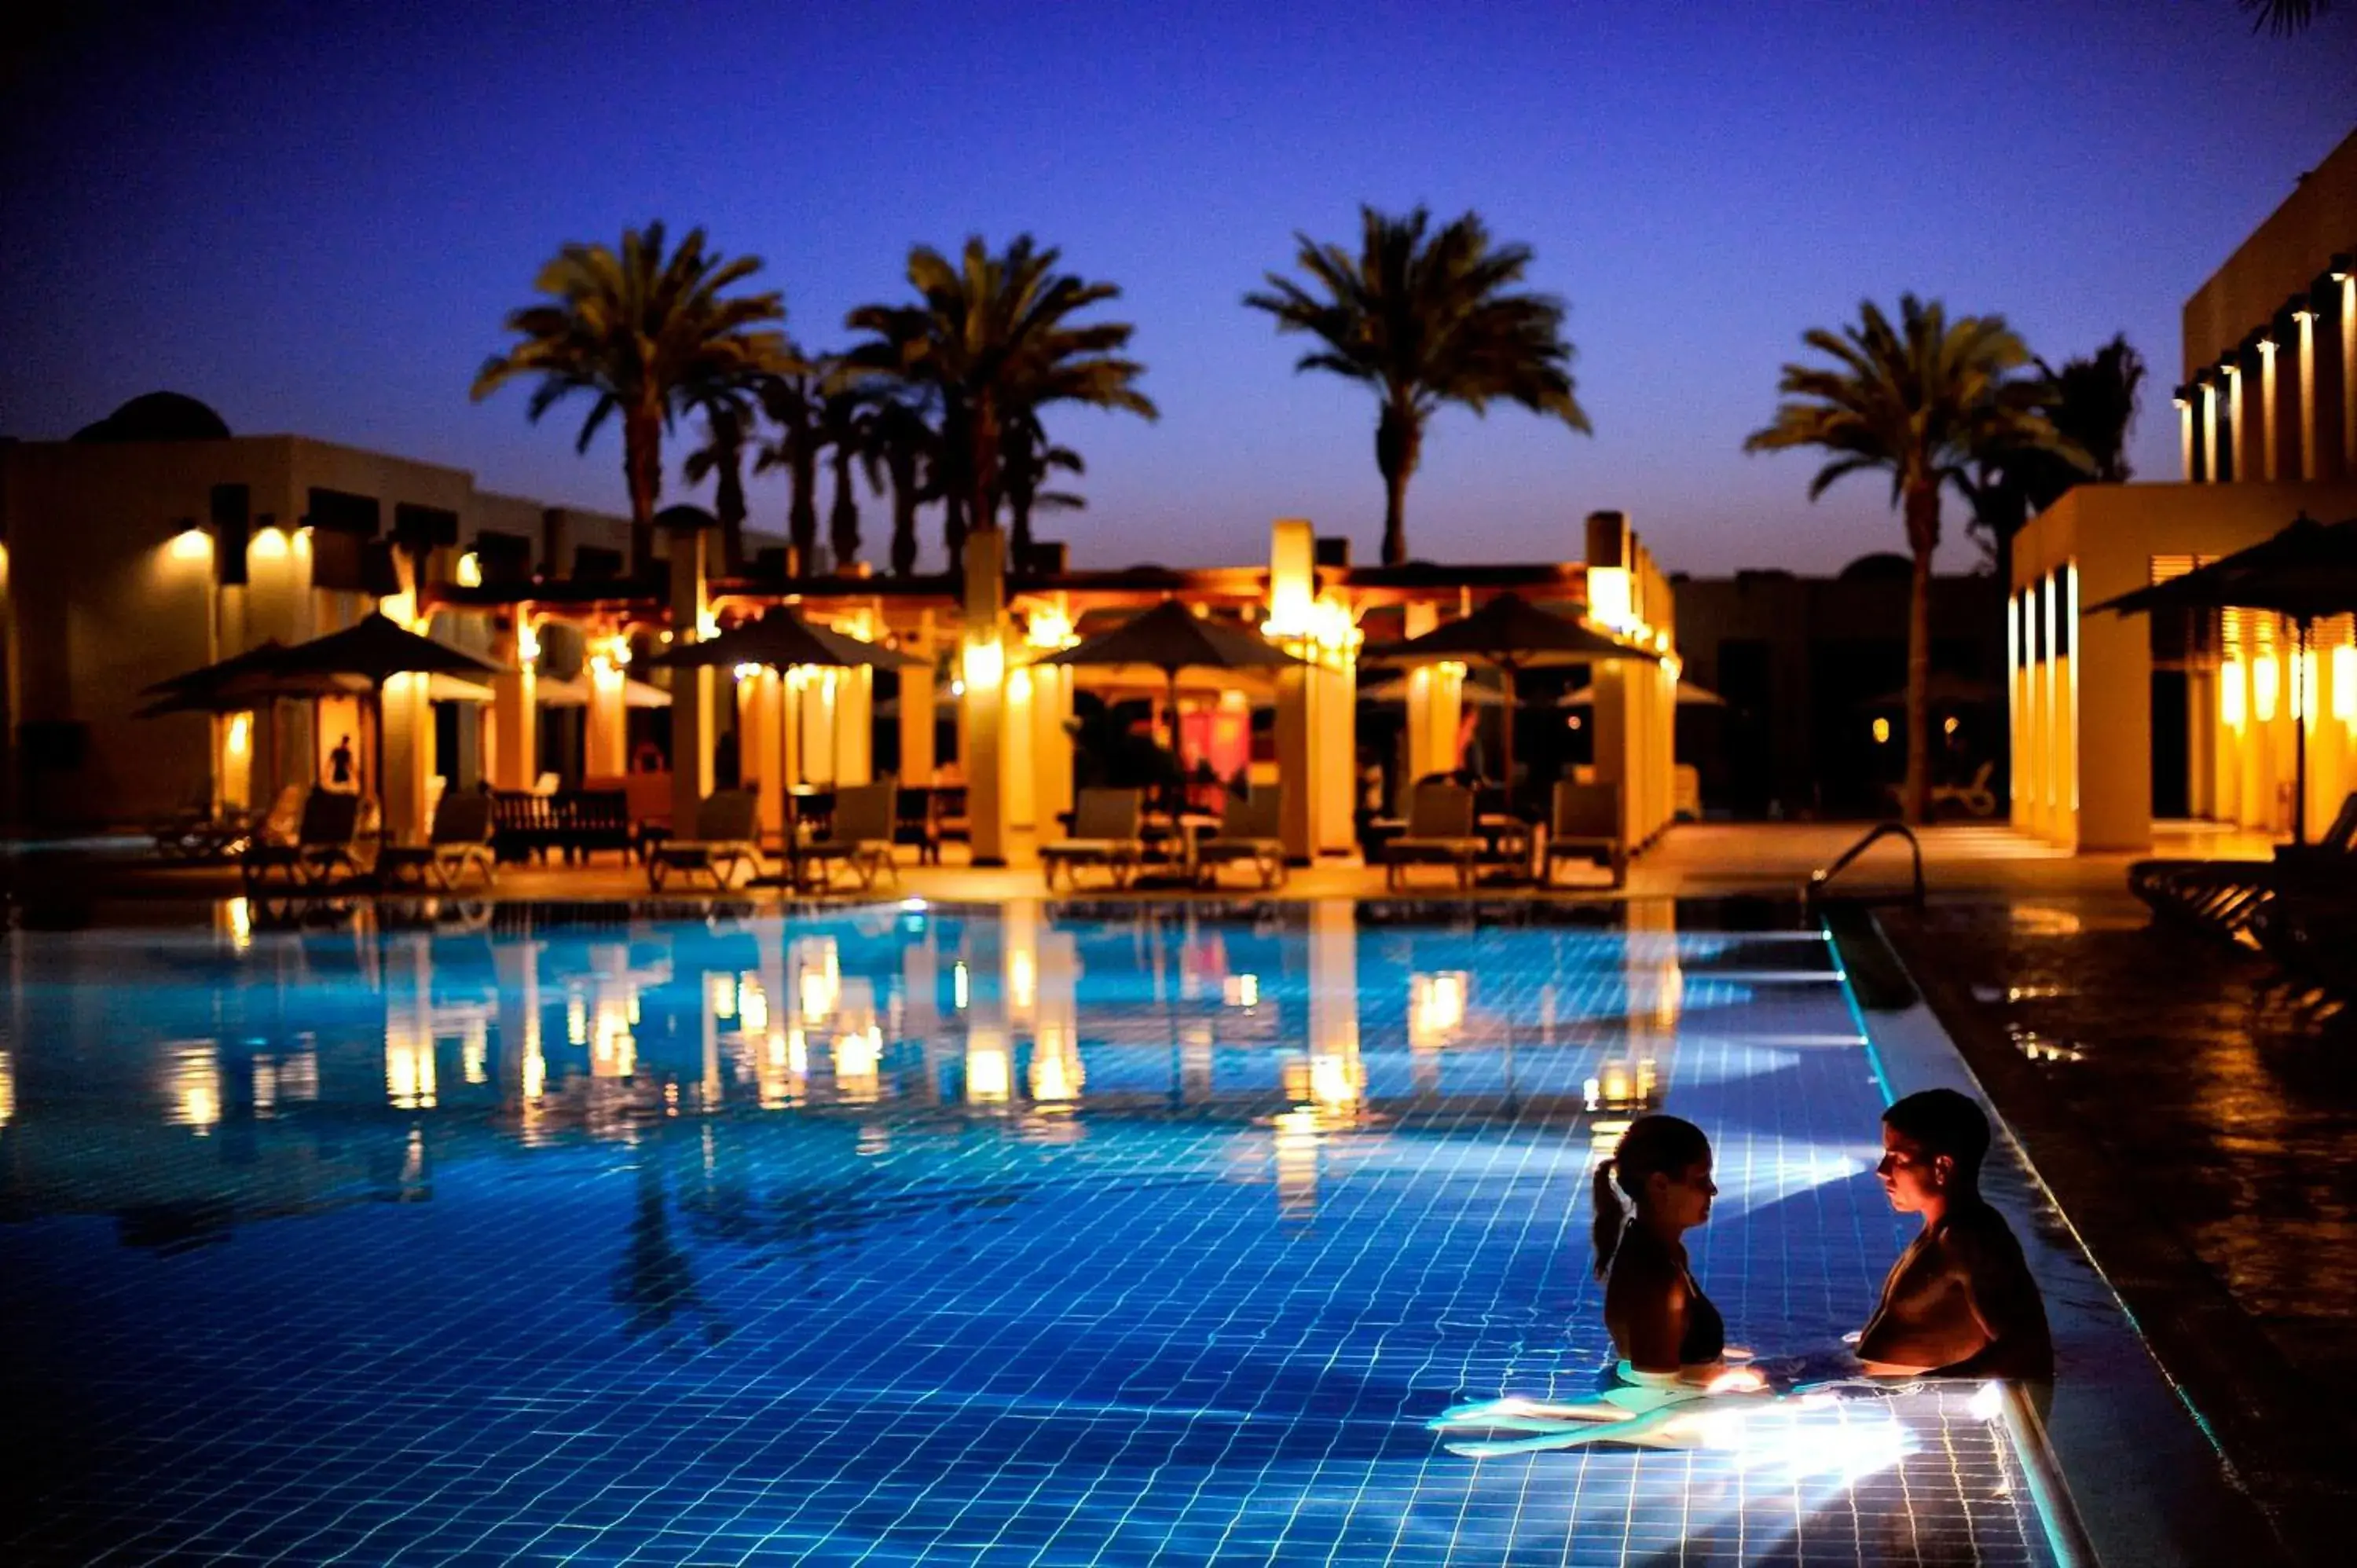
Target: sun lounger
1104,833
2223,896
1439,832
1585,825
461,837
323,846
724,842
1249,834
860,836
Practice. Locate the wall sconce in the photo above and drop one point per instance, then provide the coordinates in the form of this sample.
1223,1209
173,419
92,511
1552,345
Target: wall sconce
191,544
985,665
470,570
269,544
2230,694
1882,732
527,644
748,673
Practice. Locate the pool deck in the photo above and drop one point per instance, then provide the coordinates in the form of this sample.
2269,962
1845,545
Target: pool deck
2197,1125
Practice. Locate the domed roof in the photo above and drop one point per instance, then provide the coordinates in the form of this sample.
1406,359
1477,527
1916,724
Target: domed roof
1882,566
158,416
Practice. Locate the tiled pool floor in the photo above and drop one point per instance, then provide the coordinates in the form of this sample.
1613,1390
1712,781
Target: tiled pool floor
965,1237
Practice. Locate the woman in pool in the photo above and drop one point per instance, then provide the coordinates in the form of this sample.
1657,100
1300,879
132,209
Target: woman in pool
1661,1323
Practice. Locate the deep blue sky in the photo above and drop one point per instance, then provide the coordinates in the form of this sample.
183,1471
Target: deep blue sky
316,222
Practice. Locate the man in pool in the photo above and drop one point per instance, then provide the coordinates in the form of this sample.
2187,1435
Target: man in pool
1960,1301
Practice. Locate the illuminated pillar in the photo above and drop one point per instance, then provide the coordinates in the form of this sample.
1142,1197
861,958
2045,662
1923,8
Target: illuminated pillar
1435,701
2017,795
2209,394
2303,326
1300,751
691,690
2269,426
2188,449
855,708
2348,379
761,736
917,706
1050,746
983,653
2108,686
408,761
605,727
515,717
2240,467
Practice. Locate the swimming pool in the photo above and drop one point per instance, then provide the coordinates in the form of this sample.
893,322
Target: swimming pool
1145,1233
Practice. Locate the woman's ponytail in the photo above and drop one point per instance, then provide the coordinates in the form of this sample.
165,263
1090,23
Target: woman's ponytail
1609,1217
1668,1144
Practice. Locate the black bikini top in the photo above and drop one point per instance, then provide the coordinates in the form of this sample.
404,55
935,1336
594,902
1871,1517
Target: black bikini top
1706,1333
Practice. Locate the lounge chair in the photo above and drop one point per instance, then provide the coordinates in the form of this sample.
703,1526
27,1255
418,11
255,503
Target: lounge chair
1250,833
461,837
1104,833
323,847
1439,832
1585,825
725,840
2221,897
860,836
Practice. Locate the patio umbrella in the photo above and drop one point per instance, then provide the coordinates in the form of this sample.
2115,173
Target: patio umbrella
1171,638
1395,690
1509,634
255,679
1689,696
373,650
2307,572
780,640
1941,690
550,692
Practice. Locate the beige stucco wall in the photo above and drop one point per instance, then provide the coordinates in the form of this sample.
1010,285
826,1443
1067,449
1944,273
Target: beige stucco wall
2282,256
2103,741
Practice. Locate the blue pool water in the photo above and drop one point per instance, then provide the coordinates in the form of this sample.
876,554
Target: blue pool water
1031,1235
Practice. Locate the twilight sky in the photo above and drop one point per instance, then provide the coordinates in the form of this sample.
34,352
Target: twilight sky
314,217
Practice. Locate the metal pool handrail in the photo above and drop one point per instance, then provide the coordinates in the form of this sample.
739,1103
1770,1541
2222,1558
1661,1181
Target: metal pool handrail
1822,878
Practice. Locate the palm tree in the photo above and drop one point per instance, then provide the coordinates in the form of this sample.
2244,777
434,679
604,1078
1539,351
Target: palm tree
845,430
2092,402
792,401
906,448
1424,324
645,333
1031,462
2284,16
992,337
1924,399
727,431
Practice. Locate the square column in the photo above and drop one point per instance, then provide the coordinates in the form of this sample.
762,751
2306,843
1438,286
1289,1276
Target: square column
605,730
691,691
916,718
983,653
515,715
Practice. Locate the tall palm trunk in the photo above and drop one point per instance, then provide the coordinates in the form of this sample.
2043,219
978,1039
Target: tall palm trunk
904,514
1399,436
802,506
842,522
728,506
983,477
1922,504
642,471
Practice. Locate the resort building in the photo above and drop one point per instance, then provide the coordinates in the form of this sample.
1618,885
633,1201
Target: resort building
1811,677
155,542
2116,720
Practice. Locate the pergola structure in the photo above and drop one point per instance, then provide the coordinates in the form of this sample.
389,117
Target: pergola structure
990,627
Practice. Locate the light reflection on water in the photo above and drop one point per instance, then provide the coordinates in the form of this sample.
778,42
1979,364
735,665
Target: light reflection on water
893,1168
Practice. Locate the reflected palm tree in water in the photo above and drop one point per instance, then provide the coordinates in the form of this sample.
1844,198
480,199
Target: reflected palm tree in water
655,1281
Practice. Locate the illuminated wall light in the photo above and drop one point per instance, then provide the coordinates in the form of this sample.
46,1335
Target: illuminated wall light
269,544
303,542
240,732
1949,725
1611,598
985,665
2266,681
748,673
1048,629
527,644
2230,694
1882,732
2344,683
191,544
470,570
